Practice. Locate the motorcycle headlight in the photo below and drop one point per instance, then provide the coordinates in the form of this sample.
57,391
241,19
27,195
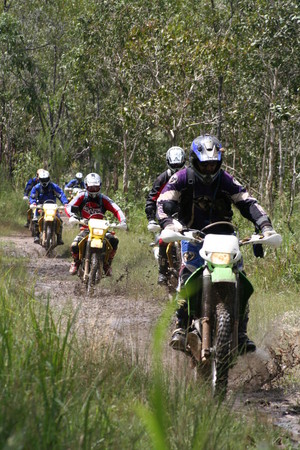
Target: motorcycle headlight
97,232
220,258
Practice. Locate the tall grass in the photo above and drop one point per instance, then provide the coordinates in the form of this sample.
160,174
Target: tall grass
58,392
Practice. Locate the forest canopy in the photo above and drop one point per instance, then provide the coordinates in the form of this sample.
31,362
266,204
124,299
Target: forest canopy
110,86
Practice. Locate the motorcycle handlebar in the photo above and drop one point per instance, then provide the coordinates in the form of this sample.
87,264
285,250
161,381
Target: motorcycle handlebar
168,235
40,206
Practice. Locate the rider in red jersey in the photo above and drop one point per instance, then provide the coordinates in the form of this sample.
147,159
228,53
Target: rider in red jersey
93,204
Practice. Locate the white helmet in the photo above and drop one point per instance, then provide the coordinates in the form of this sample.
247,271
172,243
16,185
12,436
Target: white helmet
38,172
175,157
93,184
79,176
44,178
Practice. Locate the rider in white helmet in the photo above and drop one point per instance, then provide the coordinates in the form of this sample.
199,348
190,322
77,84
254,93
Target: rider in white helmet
29,185
93,203
175,158
46,190
76,182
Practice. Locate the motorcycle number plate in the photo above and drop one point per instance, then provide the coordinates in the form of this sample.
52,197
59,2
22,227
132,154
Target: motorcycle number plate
96,243
49,218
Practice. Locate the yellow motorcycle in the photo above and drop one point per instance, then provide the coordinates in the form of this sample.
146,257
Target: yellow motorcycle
173,252
94,250
49,224
72,192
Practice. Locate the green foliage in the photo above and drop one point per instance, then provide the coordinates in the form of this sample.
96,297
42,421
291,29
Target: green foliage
117,83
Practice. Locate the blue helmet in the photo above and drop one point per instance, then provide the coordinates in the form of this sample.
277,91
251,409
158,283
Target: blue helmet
206,158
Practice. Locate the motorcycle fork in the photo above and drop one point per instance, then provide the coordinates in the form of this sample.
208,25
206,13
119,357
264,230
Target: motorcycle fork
107,249
206,315
87,261
236,313
208,306
57,225
169,255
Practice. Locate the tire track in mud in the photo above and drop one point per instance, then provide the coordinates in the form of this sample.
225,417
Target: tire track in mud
256,381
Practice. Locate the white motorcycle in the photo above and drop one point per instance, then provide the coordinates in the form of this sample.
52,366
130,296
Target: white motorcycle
216,294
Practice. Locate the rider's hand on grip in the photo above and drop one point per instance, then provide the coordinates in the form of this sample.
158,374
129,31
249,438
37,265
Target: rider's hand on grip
73,219
25,197
123,225
153,226
268,231
174,226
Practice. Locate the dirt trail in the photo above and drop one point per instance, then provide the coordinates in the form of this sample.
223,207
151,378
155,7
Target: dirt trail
255,382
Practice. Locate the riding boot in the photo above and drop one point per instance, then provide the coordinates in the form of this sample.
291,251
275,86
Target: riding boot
59,234
178,340
75,264
162,265
36,232
59,240
245,344
107,267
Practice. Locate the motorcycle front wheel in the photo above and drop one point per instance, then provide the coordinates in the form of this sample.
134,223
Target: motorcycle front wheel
96,271
48,237
222,355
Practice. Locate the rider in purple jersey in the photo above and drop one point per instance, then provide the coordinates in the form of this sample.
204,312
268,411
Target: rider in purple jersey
203,194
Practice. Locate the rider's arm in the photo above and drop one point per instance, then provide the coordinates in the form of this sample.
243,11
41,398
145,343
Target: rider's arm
74,205
170,197
59,193
111,206
70,184
155,192
29,185
34,194
247,205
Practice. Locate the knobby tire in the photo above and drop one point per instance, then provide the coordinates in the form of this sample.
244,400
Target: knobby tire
48,238
96,270
222,348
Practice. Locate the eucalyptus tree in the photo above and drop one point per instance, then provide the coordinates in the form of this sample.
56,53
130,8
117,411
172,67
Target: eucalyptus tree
268,80
17,95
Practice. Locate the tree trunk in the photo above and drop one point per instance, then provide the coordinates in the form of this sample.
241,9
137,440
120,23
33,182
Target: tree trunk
281,167
220,97
270,179
115,173
293,187
263,165
125,163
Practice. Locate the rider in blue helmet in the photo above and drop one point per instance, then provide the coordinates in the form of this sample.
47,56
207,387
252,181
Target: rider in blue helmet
204,194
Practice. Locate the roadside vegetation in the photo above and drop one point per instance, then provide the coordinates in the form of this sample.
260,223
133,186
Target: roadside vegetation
63,393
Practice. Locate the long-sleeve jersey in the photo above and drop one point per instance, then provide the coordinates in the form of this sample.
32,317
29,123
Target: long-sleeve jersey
29,185
153,195
86,206
75,183
39,194
200,204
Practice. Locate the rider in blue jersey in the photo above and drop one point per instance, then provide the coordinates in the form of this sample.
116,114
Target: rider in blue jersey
44,191
76,182
29,185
